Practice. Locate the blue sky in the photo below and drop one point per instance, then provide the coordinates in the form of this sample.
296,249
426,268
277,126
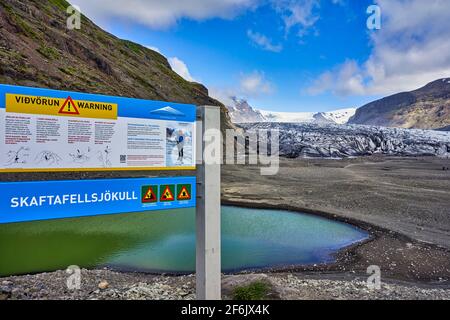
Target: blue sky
286,55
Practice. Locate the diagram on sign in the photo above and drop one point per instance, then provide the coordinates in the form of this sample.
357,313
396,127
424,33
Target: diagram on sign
149,194
19,156
167,193
48,158
104,157
80,156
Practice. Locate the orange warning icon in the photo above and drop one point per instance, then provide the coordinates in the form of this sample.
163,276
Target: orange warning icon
149,195
69,107
167,194
184,194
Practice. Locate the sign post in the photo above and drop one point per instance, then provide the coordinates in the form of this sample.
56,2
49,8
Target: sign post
208,253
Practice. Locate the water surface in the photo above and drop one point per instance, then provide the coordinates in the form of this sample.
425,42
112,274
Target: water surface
165,241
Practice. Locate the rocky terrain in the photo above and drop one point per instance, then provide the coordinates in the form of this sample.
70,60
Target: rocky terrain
424,108
110,285
335,141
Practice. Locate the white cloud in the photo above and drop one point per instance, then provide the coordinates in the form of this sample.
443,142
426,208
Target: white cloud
411,49
224,95
153,48
178,65
301,14
158,14
181,68
255,84
250,86
342,80
264,42
163,14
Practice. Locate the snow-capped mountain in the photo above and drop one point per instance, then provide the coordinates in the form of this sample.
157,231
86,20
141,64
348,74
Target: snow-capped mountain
287,117
240,111
338,117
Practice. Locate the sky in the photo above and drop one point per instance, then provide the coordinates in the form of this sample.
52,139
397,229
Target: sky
290,55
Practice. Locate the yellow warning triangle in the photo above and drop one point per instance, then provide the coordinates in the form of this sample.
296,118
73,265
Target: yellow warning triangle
184,194
167,195
69,107
149,196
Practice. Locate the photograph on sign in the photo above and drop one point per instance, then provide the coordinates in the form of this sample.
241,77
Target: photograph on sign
179,145
49,130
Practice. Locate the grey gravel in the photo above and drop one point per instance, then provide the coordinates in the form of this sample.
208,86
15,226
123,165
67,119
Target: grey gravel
137,286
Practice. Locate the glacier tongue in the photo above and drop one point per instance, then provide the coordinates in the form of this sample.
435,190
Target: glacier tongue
312,140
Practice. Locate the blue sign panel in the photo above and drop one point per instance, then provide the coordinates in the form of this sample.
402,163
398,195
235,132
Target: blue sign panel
44,130
29,201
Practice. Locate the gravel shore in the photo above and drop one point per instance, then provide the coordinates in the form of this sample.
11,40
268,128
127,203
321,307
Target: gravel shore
110,285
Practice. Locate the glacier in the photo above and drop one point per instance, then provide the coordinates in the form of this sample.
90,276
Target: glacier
333,141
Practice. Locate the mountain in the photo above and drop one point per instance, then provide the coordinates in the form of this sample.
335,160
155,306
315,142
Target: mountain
293,117
313,140
37,49
240,111
424,108
337,117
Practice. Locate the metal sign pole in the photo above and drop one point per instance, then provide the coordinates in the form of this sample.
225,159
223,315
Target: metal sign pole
208,254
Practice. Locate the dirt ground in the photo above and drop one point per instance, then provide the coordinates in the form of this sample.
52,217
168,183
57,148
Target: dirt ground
403,202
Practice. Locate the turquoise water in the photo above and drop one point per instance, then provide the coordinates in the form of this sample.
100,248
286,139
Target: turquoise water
165,241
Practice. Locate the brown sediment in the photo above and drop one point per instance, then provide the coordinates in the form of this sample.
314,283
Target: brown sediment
368,193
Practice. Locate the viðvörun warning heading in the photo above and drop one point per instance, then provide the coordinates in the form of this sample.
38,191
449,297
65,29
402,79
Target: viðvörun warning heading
51,130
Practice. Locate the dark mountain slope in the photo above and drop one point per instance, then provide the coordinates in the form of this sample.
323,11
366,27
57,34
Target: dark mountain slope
37,49
424,108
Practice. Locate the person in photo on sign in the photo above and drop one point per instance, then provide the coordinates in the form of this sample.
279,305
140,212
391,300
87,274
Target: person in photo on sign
180,139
